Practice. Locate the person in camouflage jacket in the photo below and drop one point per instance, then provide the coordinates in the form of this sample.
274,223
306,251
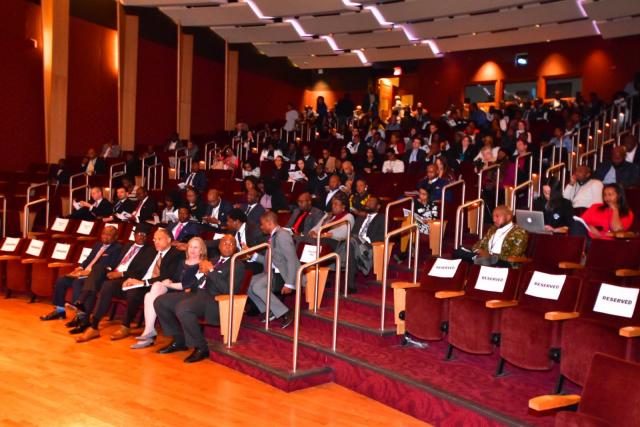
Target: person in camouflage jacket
514,243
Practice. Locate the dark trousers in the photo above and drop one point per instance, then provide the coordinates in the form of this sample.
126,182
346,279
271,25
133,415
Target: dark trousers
111,289
91,287
179,312
60,290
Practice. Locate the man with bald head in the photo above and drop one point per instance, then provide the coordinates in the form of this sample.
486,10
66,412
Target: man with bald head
179,311
504,239
216,211
617,170
304,217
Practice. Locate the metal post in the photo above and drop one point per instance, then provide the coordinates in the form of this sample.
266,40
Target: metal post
481,175
529,184
115,174
346,265
479,203
73,188
411,221
4,215
442,206
559,167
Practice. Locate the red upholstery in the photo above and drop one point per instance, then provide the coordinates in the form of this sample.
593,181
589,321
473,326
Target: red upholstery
607,256
551,249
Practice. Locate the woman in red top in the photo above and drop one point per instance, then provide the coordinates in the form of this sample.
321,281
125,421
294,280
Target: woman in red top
604,219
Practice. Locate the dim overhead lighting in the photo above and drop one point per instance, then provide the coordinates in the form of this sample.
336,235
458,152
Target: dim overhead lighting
473,34
254,7
408,33
537,25
433,46
378,15
595,27
361,56
296,26
350,3
331,42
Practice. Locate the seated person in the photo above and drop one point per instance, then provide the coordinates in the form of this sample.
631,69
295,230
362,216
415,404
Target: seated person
92,164
145,208
96,208
284,263
195,205
504,239
188,279
336,234
253,209
334,188
217,209
304,217
103,255
358,199
249,170
280,172
122,204
618,170
392,164
170,212
558,212
583,190
183,230
110,150
603,220
367,229
415,157
272,195
432,183
178,312
424,211
270,152
196,179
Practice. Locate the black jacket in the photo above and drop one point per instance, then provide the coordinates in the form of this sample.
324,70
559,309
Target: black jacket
108,259
139,264
627,174
147,210
375,230
170,266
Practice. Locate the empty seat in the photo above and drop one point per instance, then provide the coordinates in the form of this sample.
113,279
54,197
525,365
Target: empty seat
605,257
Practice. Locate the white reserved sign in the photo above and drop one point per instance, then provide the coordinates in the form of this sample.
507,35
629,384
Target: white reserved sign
60,224
309,253
85,227
35,247
547,286
10,244
445,268
616,300
61,251
84,254
492,279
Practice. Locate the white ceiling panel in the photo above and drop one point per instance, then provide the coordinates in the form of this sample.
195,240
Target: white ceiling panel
344,23
311,47
155,3
347,60
421,51
606,9
281,32
232,14
289,8
619,28
514,18
517,37
380,38
414,10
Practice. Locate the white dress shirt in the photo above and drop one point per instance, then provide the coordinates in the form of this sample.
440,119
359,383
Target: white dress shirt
393,166
122,267
584,195
496,241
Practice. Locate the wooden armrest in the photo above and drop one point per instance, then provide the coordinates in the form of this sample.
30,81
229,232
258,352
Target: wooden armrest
86,238
566,265
630,331
627,272
377,243
561,315
61,236
60,264
499,303
404,285
9,257
398,218
624,234
553,401
221,298
519,259
34,261
449,294
561,230
37,233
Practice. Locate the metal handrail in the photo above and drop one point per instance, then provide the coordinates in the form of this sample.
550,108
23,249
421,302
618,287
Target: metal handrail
143,163
517,188
553,158
232,278
25,231
73,188
4,215
442,205
480,176
413,229
346,265
296,321
154,169
412,219
517,160
115,174
610,141
207,153
586,154
479,203
187,161
562,167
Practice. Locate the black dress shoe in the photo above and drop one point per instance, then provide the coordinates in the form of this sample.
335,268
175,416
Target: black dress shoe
172,348
76,306
73,322
55,314
285,320
79,329
197,356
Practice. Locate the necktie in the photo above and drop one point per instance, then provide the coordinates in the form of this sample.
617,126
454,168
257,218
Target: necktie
190,179
136,213
97,257
248,209
239,240
130,254
299,222
365,226
107,152
178,230
156,268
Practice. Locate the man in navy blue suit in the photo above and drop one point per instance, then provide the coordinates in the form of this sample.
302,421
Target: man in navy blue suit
104,254
217,210
184,229
196,179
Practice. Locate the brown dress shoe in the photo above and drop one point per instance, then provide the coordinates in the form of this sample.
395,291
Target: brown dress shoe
88,335
121,333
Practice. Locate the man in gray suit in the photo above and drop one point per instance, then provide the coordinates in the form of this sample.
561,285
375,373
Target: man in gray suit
285,264
304,217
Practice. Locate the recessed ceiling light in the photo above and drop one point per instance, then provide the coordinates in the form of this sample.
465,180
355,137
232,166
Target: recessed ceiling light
473,34
537,25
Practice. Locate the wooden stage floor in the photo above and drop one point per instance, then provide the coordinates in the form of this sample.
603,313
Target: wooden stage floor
46,379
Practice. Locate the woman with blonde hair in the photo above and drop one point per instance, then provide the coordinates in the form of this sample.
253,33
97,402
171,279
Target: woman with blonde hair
187,278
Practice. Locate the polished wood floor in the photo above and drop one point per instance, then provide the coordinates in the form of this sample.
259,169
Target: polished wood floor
46,379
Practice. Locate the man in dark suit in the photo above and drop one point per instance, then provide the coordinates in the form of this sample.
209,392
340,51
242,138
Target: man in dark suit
304,217
184,229
178,312
366,230
135,282
309,160
415,158
618,170
145,207
196,179
284,263
630,144
96,208
253,209
133,256
104,254
246,235
216,212
324,200
92,164
432,183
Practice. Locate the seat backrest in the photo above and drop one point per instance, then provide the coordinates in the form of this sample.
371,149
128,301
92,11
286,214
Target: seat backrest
567,300
588,299
431,283
611,391
246,281
508,293
551,249
610,255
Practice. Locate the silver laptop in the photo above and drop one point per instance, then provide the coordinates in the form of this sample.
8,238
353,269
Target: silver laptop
532,221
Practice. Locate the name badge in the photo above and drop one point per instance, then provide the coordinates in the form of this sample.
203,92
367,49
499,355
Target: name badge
445,268
60,251
547,286
492,279
616,300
